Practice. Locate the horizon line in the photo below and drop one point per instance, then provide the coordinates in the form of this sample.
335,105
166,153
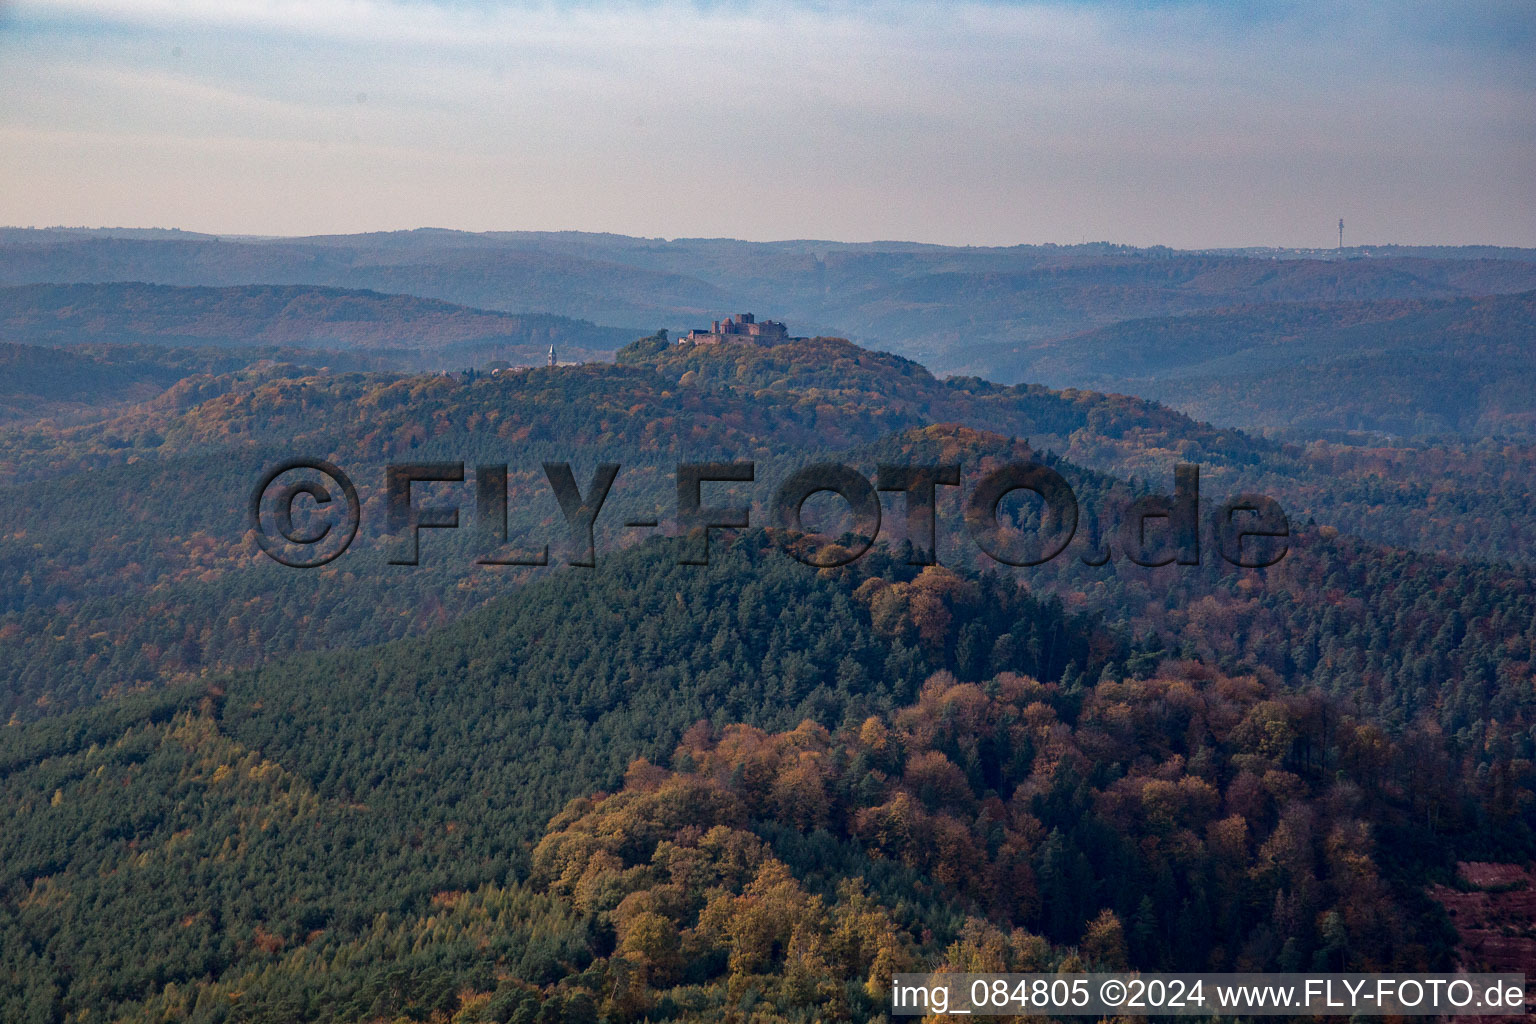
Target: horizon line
1358,248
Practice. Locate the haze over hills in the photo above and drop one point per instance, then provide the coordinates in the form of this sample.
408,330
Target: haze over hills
90,381
292,315
1464,366
945,306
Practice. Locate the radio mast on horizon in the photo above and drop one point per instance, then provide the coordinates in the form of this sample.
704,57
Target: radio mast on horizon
1341,232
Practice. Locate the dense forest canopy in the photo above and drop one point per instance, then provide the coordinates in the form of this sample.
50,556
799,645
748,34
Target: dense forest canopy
752,790
350,835
131,562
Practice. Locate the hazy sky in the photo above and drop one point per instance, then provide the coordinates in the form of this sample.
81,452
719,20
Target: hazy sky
1188,124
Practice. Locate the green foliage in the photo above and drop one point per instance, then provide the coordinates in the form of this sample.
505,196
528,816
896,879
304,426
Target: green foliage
1171,767
642,350
301,803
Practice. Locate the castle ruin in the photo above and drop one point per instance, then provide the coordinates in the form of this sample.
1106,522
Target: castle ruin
743,328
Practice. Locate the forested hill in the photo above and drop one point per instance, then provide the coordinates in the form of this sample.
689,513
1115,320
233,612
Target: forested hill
87,382
1464,366
239,793
292,315
961,776
306,806
129,560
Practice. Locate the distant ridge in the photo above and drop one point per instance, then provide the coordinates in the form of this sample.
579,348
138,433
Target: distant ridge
297,315
13,233
951,307
1419,368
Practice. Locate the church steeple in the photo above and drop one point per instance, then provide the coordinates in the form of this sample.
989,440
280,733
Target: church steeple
551,354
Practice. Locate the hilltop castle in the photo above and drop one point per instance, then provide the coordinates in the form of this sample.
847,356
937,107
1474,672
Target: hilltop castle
741,329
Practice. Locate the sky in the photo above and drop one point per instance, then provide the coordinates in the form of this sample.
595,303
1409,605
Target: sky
1176,123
